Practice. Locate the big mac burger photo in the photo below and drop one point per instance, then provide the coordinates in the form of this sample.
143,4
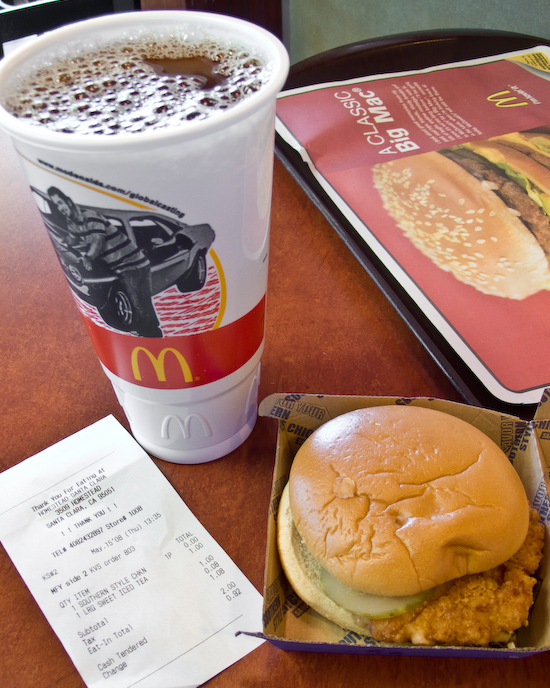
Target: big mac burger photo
409,525
479,210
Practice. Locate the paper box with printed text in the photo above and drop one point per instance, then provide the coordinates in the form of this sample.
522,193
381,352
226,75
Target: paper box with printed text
290,624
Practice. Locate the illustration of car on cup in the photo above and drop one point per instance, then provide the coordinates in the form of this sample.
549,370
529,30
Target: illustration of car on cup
176,252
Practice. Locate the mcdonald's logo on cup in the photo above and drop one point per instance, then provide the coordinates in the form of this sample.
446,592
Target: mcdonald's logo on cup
159,363
184,361
184,425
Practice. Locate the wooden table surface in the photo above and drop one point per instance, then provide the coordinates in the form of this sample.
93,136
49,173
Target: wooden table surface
329,330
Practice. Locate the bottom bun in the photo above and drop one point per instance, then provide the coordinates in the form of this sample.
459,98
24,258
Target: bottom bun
304,572
477,609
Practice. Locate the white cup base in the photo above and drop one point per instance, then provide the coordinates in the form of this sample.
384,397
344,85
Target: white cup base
196,425
203,455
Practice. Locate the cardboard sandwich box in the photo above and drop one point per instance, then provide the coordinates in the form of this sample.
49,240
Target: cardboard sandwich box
290,624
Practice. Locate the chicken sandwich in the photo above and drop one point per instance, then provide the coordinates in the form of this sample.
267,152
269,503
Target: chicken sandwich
410,525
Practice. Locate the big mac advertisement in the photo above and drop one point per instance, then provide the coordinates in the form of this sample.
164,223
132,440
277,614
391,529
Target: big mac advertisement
445,173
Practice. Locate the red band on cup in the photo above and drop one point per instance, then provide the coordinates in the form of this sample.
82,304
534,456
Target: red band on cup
180,362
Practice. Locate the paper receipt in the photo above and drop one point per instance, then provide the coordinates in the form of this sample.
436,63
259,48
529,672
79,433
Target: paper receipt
138,592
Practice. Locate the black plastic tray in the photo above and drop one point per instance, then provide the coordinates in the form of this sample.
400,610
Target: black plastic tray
382,56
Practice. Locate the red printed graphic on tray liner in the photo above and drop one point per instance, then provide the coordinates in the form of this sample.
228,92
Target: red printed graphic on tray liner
350,132
353,125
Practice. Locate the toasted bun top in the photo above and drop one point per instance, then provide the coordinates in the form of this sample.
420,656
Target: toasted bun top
462,225
304,572
393,500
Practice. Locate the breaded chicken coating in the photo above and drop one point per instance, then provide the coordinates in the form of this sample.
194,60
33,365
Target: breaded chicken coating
477,609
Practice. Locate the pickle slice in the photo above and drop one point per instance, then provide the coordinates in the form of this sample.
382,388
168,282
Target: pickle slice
370,606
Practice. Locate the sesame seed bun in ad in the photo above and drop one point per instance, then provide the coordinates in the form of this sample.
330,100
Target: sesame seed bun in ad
478,210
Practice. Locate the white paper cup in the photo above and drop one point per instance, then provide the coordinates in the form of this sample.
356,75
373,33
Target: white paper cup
196,199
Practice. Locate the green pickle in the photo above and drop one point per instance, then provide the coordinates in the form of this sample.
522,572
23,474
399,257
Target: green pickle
370,606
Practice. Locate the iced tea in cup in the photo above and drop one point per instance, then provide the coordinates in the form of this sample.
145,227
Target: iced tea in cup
147,141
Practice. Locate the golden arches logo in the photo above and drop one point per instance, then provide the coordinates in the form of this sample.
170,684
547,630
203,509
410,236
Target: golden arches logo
506,99
158,363
184,424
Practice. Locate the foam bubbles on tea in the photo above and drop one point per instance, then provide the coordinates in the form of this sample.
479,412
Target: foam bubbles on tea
137,86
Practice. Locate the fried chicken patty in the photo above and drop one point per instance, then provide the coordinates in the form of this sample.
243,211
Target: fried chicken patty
478,609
